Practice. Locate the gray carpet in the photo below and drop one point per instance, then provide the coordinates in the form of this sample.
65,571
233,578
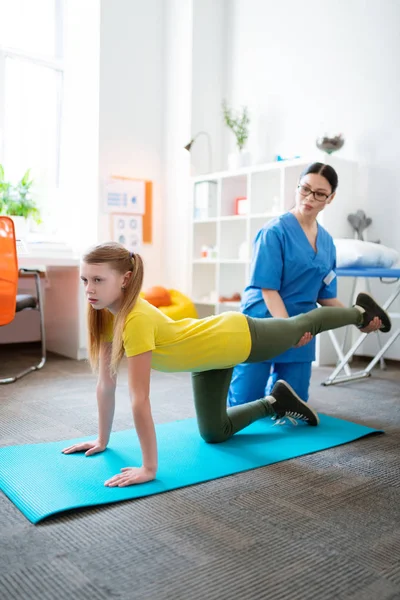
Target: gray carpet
324,526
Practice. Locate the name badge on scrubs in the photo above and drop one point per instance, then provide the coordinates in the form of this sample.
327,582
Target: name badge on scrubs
329,278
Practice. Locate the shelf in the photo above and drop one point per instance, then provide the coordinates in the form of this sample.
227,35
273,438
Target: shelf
201,221
233,261
233,218
221,261
270,191
230,304
284,164
205,261
237,218
265,215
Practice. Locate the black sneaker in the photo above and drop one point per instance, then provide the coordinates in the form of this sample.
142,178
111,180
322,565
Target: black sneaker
288,404
372,310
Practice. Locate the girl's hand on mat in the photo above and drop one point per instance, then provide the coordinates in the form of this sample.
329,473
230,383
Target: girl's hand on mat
373,325
307,337
130,476
88,448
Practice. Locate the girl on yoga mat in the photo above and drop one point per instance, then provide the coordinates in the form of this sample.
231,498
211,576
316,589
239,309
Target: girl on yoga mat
121,323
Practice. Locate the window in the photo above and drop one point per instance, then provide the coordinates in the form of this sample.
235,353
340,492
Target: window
31,82
31,27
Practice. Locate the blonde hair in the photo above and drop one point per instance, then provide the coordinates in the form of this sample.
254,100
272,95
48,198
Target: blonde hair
99,321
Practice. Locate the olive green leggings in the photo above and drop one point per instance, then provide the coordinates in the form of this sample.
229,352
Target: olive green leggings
269,337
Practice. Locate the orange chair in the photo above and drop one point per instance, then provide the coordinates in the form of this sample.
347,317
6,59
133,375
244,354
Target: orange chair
10,301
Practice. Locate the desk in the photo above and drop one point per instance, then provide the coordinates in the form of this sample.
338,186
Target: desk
40,260
64,301
389,275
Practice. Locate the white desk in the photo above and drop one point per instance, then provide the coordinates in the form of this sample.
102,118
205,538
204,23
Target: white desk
64,301
41,260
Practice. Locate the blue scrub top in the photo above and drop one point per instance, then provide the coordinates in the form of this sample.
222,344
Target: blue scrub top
284,260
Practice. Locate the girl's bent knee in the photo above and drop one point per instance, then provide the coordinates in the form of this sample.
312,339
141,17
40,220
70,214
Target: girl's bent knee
213,437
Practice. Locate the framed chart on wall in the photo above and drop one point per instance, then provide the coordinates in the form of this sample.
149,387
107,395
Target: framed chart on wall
125,196
128,197
127,230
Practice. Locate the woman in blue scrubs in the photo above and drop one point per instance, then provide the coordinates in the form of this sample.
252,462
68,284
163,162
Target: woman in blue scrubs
293,268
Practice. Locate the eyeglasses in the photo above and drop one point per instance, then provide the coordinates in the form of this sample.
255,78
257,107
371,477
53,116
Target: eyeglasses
304,190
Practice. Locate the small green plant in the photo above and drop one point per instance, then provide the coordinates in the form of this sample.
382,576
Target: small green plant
16,200
238,123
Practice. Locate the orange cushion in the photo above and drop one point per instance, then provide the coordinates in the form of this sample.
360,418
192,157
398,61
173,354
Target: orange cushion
158,296
181,307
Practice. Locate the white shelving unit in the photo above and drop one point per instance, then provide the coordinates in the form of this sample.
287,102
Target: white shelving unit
269,189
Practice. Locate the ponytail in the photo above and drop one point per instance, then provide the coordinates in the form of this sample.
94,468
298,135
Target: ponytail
99,322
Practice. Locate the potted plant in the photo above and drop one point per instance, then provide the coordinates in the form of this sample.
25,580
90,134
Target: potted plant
16,201
239,124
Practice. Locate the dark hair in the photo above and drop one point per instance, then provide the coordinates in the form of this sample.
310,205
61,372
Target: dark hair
325,170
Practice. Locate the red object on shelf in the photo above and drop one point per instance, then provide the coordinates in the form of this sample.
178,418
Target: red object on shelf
241,205
234,298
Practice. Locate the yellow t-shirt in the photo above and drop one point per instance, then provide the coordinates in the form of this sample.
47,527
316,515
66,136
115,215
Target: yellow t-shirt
216,342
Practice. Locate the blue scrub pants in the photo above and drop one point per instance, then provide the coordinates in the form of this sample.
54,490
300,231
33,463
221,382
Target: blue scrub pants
251,381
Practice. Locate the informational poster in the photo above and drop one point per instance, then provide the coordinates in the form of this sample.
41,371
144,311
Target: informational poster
127,230
125,196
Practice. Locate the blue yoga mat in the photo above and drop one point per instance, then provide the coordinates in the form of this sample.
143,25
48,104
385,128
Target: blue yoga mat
41,481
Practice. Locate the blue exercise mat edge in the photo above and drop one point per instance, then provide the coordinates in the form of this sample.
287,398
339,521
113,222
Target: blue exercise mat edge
75,481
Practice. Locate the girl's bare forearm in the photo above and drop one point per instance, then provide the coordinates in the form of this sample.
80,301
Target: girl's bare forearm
106,408
145,430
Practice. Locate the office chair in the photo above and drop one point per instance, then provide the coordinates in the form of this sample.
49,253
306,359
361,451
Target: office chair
10,301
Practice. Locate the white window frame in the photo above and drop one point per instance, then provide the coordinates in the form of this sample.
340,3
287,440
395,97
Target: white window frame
55,64
76,213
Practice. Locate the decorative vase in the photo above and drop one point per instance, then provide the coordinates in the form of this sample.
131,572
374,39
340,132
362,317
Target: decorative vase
237,160
330,144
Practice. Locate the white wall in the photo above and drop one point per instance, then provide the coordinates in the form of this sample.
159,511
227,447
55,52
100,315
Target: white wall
132,89
197,79
209,81
177,120
305,68
77,220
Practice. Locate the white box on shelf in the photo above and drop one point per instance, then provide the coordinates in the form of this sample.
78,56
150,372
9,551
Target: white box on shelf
205,200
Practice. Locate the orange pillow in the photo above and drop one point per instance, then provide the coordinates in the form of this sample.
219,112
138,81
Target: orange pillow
158,296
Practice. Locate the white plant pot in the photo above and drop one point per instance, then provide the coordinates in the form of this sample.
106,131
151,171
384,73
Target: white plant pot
237,160
21,226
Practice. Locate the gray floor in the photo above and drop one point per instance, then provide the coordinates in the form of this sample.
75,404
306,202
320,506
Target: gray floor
324,526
